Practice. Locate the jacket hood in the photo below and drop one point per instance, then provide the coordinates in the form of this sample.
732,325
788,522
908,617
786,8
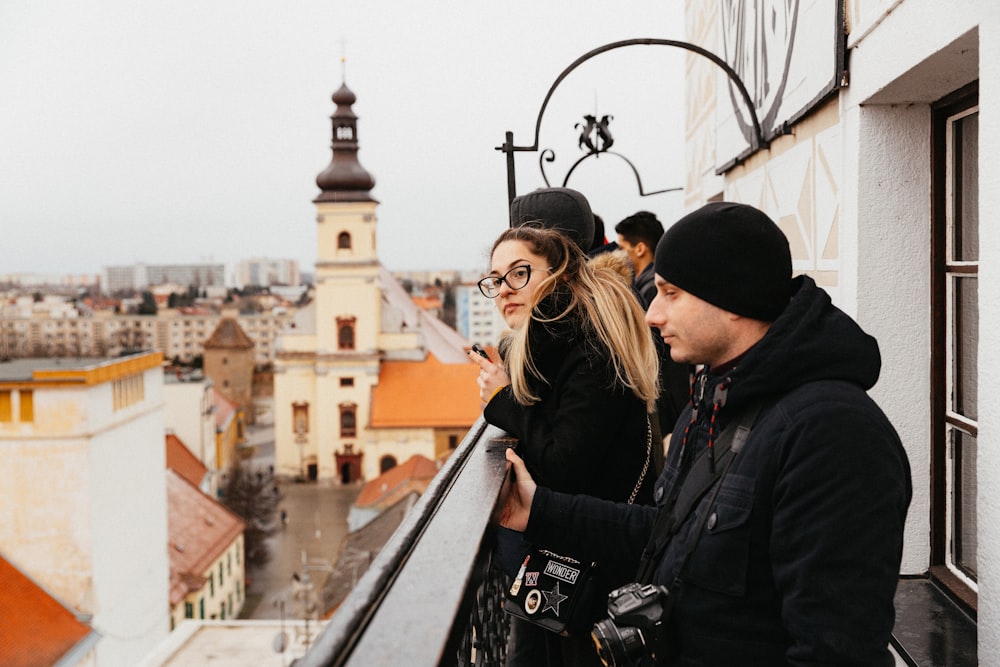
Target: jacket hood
614,262
811,340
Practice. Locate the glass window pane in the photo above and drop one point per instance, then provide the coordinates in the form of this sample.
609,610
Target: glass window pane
965,355
966,546
965,133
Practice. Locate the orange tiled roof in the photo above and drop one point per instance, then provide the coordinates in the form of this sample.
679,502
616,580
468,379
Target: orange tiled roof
183,462
199,530
427,302
38,630
413,475
228,334
425,394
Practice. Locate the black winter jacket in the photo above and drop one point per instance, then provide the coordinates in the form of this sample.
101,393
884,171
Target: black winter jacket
588,433
799,564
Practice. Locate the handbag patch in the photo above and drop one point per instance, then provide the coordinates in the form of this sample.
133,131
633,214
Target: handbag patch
560,571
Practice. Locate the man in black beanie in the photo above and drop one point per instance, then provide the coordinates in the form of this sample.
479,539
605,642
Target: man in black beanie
778,530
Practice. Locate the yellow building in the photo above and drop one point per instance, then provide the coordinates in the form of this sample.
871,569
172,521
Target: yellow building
207,567
329,363
230,430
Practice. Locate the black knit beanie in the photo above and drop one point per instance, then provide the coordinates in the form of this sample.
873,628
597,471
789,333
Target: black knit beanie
730,255
556,208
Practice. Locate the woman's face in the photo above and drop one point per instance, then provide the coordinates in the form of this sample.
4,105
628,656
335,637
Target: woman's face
509,259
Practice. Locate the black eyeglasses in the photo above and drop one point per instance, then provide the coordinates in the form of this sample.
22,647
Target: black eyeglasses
516,278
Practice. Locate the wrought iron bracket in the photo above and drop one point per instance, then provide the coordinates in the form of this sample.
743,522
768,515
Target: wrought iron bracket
757,141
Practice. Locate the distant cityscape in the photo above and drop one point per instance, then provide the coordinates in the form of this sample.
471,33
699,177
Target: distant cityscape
174,308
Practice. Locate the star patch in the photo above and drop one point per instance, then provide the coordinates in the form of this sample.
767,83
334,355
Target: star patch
553,599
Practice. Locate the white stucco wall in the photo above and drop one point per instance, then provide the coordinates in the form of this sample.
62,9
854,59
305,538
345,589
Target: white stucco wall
85,490
128,518
904,56
904,60
989,345
891,216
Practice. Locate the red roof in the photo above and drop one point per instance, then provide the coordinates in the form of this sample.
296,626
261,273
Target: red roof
427,302
228,334
183,462
425,393
199,530
37,629
413,475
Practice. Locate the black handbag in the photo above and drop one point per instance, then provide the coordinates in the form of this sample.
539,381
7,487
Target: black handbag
558,592
555,592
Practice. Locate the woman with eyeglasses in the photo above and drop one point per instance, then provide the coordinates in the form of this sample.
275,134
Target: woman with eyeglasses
576,380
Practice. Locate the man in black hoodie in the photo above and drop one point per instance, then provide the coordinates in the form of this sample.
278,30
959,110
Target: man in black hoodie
791,556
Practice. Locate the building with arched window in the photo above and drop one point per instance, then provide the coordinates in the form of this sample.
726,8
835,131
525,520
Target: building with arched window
365,378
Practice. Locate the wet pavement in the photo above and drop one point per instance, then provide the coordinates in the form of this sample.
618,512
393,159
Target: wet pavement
309,543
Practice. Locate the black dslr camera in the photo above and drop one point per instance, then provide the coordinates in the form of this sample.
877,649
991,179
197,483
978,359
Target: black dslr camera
636,626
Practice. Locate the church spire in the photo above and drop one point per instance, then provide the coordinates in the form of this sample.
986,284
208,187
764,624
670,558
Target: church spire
344,179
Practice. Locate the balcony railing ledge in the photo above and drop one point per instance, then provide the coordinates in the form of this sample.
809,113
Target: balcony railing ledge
413,604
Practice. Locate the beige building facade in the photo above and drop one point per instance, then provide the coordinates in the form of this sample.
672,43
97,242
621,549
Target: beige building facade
82,484
330,360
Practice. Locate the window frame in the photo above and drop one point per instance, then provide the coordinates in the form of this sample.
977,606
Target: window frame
945,420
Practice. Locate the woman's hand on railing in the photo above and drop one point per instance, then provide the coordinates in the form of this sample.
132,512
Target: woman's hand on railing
516,496
492,377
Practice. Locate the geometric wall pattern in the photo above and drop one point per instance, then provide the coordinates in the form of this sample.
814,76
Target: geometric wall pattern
796,182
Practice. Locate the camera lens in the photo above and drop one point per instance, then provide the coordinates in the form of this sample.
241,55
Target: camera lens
616,646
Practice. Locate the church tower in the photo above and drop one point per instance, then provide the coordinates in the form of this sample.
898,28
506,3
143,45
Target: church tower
347,262
364,379
323,381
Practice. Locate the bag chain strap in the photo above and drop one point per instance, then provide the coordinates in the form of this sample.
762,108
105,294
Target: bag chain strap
555,556
645,464
631,498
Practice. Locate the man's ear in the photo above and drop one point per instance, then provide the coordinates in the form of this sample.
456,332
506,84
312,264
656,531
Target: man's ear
640,248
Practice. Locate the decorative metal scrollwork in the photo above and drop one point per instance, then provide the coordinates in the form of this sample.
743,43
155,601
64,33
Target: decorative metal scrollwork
756,137
596,137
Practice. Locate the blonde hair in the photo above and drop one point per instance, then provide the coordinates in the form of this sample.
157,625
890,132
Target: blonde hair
603,296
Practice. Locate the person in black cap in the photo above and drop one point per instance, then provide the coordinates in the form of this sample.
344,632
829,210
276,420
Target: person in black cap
777,545
556,208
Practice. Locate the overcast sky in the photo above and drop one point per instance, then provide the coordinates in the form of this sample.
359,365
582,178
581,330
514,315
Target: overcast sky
178,131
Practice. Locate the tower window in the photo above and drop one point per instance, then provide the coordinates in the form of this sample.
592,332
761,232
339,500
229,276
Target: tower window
345,333
344,241
348,420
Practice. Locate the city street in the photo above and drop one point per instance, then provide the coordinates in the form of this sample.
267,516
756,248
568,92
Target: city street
308,543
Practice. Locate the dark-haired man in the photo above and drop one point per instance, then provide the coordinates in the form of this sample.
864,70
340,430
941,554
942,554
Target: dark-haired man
638,235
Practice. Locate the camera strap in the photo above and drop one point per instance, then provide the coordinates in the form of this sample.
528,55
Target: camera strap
700,476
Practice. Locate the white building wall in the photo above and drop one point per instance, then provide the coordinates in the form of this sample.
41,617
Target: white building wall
188,413
892,271
903,60
904,55
477,317
84,497
989,346
128,515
